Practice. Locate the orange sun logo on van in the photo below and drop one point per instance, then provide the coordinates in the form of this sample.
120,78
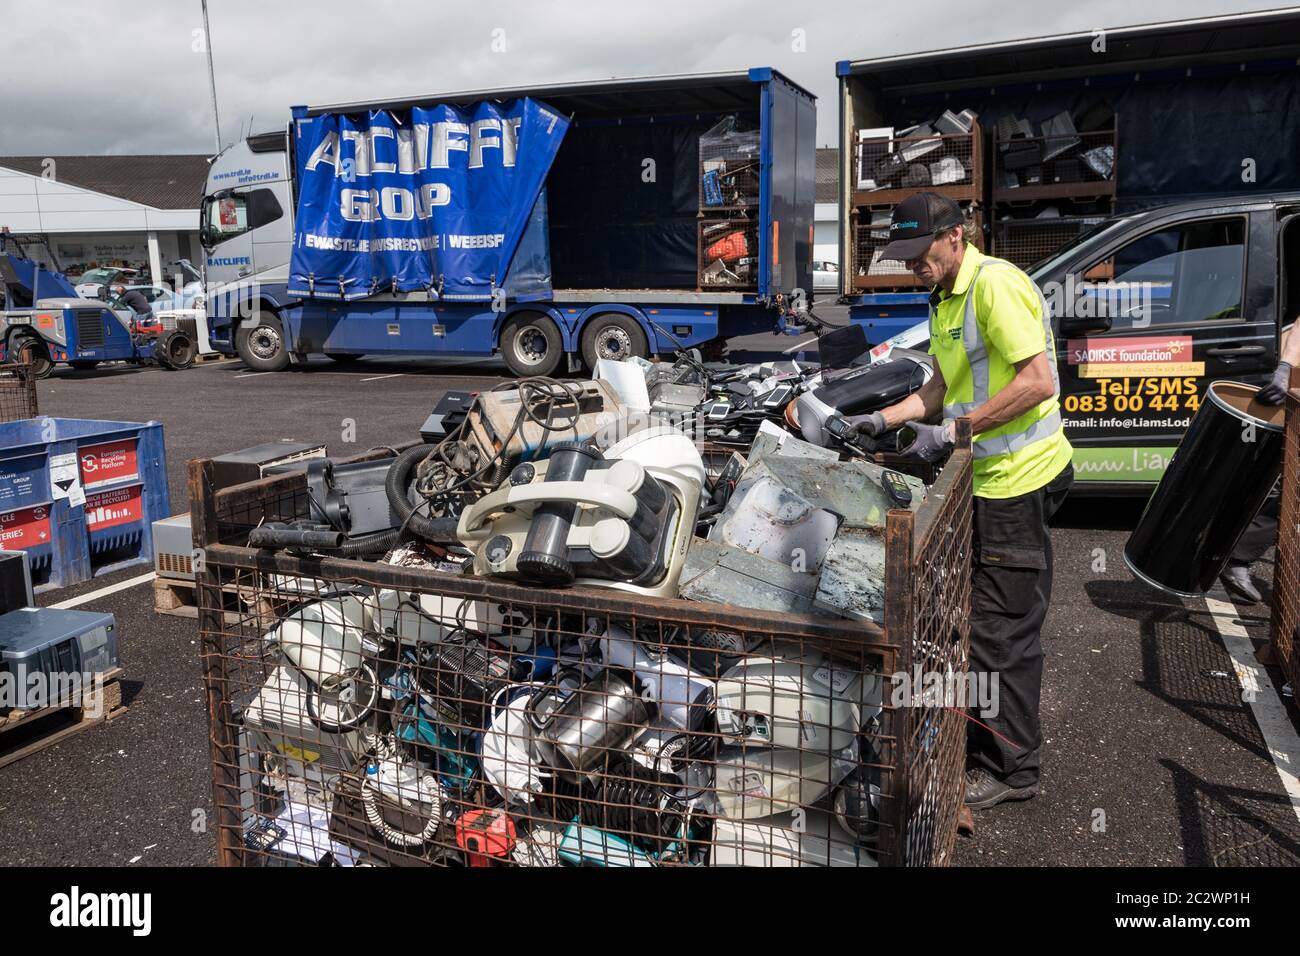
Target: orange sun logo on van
1176,346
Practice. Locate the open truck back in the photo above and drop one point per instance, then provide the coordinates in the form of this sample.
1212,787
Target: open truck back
1067,131
676,211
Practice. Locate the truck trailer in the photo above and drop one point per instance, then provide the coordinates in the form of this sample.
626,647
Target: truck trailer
1044,140
624,218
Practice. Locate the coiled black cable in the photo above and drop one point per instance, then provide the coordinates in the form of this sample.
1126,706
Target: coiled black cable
397,484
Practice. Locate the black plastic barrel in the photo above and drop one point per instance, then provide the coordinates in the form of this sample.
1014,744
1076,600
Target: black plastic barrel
1220,475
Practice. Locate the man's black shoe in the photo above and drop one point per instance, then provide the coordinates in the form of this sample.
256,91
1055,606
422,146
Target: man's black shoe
983,790
1236,578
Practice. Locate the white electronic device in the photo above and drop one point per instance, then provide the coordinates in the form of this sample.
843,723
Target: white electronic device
281,722
514,757
756,782
323,639
766,518
798,838
798,699
587,518
680,693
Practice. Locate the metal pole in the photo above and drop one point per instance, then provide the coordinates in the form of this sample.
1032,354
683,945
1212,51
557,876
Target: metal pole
212,77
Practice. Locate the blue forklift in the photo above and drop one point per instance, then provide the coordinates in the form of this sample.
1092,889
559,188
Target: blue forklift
43,322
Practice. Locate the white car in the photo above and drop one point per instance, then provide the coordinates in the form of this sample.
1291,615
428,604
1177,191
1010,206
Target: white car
92,284
826,276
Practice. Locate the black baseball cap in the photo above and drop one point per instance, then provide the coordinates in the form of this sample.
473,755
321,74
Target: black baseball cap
915,221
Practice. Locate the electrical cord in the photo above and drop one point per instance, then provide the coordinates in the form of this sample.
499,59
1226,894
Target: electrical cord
555,394
396,485
379,748
682,352
341,726
391,834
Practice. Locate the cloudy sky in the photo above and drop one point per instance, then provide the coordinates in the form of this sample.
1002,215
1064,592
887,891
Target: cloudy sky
130,76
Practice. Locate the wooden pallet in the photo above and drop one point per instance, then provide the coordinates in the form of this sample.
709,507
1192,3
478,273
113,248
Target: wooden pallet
24,732
174,597
177,598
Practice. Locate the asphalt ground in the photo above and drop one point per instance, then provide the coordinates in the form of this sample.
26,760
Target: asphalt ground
1152,756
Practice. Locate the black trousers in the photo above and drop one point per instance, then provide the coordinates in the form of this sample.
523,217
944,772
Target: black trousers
1011,587
1261,533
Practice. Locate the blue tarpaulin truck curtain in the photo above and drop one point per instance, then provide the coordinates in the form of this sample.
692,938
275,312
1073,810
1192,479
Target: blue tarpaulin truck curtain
432,198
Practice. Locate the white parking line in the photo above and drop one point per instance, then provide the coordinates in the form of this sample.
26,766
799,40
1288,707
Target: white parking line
799,346
1270,713
252,374
379,377
103,592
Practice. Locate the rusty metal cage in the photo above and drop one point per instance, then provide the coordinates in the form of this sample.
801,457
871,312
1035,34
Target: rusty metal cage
916,162
728,253
730,168
1068,165
871,273
1026,241
17,393
887,172
405,713
1286,576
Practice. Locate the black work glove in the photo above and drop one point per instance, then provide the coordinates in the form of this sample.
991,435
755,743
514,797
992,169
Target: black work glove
1274,393
932,441
871,426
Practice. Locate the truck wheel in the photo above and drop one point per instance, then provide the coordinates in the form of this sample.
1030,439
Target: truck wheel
175,350
261,345
531,345
343,358
612,336
84,365
34,353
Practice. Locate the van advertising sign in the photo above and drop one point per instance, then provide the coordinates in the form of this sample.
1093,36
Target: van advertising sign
1143,388
1167,356
433,199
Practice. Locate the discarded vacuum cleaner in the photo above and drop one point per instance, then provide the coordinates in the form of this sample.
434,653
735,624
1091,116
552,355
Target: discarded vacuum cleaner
1224,468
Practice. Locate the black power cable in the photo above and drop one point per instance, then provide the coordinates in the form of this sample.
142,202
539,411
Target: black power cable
555,394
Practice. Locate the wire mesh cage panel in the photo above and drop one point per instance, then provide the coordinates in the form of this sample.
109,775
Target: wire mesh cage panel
1286,576
919,161
1060,164
870,236
1026,241
17,393
729,167
403,712
728,253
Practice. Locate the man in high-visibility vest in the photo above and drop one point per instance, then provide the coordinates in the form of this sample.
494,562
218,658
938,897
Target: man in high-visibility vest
995,358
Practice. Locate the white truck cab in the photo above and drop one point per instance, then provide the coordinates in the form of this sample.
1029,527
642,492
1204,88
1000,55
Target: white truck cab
246,224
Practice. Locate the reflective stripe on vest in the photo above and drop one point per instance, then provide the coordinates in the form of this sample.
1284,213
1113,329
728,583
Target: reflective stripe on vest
977,357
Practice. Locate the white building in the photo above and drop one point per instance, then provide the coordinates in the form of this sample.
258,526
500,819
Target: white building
135,211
